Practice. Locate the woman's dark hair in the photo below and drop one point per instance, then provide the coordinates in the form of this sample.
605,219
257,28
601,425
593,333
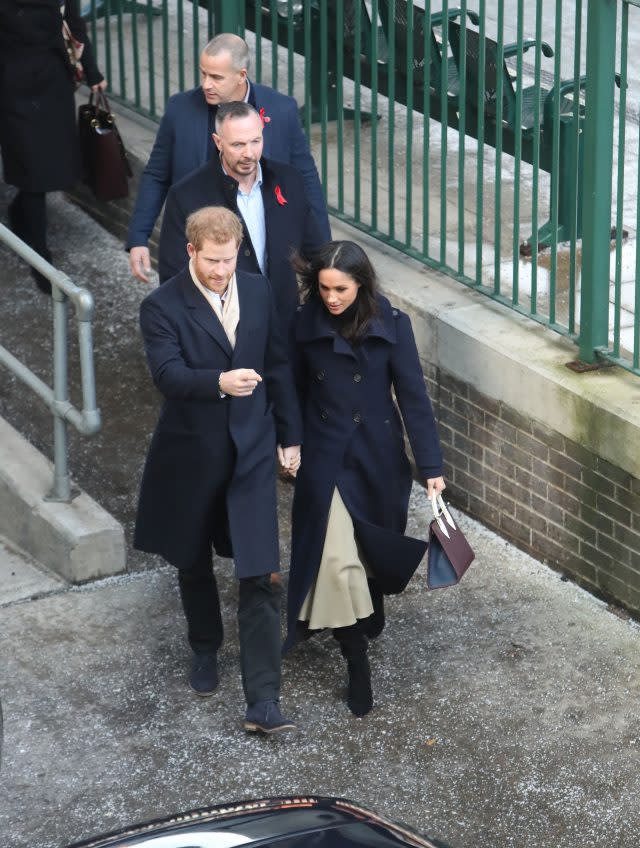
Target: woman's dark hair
350,259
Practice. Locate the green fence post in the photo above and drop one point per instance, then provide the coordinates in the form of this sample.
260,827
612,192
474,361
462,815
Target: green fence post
229,16
598,156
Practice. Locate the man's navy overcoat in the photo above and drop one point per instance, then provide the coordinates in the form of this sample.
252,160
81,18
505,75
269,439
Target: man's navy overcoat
289,219
198,432
353,439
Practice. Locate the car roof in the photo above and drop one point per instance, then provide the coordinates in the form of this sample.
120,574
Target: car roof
282,822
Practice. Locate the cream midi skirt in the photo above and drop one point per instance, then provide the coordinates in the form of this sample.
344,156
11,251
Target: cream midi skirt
340,595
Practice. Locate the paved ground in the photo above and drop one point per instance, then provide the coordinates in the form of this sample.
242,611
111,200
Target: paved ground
506,709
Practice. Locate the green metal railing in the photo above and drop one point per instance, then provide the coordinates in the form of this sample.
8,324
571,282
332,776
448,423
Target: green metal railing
476,136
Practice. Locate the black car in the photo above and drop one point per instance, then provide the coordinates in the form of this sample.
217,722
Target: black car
291,822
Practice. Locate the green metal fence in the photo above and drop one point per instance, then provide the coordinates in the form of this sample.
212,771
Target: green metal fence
485,138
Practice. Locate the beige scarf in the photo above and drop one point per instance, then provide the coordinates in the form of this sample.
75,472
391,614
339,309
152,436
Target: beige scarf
229,315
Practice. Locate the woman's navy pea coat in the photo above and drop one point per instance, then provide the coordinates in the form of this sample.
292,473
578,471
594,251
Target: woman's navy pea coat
353,438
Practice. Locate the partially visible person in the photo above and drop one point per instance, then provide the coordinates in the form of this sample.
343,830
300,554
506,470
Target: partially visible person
215,354
352,350
185,139
38,134
269,197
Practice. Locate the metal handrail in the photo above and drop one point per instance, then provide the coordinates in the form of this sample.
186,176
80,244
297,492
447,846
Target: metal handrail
87,420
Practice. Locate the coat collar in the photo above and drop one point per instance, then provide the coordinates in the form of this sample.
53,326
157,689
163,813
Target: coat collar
272,205
312,323
202,312
269,178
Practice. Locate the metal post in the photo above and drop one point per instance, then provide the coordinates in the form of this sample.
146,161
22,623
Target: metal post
598,153
229,16
61,481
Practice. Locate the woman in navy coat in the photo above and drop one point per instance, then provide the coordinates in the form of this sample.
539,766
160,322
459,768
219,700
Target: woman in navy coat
38,134
352,491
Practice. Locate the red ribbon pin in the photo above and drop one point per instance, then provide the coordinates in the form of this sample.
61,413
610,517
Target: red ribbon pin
264,118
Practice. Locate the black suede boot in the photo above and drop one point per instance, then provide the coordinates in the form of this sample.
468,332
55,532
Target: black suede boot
374,625
353,645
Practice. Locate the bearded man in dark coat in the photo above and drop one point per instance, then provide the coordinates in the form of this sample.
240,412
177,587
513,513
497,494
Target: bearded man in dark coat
216,355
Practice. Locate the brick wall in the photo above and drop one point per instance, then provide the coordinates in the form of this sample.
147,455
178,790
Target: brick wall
542,491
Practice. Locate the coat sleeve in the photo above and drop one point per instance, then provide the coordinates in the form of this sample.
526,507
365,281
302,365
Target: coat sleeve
169,371
302,159
79,32
280,382
172,250
155,183
414,403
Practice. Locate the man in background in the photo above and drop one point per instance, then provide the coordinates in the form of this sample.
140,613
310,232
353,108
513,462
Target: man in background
268,196
184,141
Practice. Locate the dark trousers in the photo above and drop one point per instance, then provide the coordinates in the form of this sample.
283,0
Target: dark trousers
258,625
28,219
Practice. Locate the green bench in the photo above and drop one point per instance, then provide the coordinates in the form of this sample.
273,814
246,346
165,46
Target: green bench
410,75
533,137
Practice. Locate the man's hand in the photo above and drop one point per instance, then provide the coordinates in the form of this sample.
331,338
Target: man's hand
99,86
289,458
240,382
435,485
140,262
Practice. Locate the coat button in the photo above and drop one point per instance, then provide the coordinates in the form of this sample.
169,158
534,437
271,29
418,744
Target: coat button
320,376
357,378
357,417
324,415
247,252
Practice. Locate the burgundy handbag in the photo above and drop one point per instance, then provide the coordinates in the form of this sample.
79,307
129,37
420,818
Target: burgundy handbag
104,159
450,555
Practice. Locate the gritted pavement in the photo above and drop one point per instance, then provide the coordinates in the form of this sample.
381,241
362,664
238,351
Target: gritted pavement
506,709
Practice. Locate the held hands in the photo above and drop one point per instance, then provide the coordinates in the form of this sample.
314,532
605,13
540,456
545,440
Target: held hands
289,459
140,263
435,485
240,382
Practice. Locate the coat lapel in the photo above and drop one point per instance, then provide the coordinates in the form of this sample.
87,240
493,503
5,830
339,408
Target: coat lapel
246,303
313,324
230,192
201,128
272,212
202,313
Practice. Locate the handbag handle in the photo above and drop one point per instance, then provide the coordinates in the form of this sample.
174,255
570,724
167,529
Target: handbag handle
440,509
101,103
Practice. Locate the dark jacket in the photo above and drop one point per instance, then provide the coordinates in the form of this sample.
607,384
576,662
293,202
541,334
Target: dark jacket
289,226
204,444
353,439
183,144
38,132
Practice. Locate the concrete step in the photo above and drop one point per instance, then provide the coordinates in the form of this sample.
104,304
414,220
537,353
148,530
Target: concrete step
21,577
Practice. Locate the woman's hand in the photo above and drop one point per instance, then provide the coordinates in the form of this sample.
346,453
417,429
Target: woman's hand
99,86
435,486
289,459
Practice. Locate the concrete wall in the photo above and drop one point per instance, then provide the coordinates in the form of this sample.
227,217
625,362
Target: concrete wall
80,541
547,457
